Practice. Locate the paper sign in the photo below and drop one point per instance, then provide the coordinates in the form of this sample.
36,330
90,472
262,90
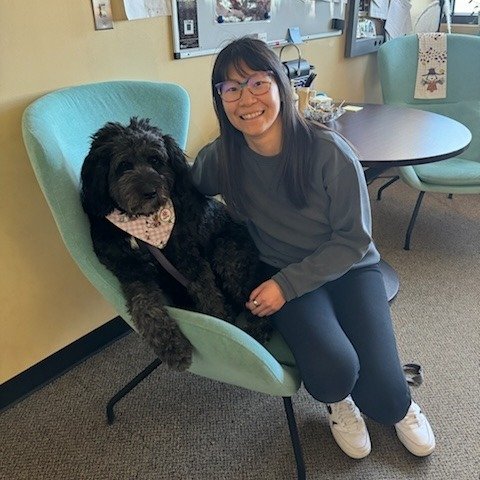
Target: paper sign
378,9
136,9
399,21
352,108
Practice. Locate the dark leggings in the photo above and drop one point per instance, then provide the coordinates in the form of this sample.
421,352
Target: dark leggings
342,338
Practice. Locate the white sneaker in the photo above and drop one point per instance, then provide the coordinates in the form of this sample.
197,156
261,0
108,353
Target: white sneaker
415,432
348,428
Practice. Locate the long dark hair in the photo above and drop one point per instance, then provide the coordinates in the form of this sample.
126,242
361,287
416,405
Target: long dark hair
297,133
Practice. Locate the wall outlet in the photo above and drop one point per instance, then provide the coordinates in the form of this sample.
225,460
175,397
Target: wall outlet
102,14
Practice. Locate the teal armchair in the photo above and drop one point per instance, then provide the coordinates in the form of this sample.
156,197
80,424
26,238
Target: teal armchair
397,67
56,130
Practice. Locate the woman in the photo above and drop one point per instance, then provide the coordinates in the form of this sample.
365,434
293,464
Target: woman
302,193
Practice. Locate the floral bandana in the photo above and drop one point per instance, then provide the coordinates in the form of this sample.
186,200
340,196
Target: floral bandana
154,229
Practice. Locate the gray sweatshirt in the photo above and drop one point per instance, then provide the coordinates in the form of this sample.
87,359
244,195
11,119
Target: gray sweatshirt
312,245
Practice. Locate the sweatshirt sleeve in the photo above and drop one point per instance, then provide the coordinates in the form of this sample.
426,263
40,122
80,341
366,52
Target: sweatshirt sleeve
350,240
205,170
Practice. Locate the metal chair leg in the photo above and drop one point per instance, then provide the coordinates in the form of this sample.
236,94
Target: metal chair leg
128,387
297,447
287,401
383,187
412,221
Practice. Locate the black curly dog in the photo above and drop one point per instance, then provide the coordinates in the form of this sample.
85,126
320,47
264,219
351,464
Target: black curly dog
135,169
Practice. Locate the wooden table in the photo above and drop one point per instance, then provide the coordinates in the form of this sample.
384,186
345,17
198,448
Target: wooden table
388,136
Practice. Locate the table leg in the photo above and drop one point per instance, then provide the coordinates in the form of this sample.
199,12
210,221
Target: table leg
371,173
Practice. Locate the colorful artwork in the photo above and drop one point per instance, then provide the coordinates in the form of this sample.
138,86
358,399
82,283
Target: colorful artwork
432,79
233,11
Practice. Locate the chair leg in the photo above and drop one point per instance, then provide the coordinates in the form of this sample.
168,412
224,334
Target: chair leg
287,401
412,221
297,447
383,187
128,387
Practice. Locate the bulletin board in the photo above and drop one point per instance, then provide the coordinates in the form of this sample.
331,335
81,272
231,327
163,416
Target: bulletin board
203,27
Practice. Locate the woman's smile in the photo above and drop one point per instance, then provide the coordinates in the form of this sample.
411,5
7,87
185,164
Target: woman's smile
251,116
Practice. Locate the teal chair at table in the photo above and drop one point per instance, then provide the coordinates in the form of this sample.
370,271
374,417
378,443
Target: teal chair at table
56,130
397,67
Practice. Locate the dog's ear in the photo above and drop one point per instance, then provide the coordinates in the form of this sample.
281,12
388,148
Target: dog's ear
178,160
179,164
95,195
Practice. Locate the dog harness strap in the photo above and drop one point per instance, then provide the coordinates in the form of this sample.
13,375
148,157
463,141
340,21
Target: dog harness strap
162,259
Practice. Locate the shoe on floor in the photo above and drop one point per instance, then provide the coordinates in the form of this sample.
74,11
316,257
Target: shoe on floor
348,428
415,432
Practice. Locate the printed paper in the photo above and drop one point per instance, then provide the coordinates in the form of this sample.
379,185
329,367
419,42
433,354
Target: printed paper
136,9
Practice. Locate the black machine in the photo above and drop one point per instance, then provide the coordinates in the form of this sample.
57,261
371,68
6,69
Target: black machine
299,71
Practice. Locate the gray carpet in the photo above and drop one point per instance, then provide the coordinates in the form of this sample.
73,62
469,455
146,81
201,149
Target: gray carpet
179,426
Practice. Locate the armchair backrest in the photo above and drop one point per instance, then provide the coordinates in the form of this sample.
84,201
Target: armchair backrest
397,63
57,129
397,67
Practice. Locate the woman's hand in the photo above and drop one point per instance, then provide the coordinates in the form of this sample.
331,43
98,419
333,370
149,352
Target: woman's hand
266,299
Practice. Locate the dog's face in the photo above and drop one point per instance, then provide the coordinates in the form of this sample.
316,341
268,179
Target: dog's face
140,176
132,168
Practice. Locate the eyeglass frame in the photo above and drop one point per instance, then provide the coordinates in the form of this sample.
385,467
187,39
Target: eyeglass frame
243,85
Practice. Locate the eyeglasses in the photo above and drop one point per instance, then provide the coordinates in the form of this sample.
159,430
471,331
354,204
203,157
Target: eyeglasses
258,84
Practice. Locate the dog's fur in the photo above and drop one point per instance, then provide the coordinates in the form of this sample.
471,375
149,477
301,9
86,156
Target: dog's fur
135,169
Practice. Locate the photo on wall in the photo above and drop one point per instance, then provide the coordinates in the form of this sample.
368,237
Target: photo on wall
234,11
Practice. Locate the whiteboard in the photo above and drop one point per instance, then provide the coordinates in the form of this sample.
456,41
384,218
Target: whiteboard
203,27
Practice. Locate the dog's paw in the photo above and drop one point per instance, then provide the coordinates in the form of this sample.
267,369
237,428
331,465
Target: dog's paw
182,359
163,335
176,352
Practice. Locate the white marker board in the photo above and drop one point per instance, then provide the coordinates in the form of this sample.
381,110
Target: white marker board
203,27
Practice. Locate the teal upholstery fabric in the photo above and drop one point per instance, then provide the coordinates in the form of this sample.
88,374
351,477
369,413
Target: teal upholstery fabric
457,172
56,131
397,63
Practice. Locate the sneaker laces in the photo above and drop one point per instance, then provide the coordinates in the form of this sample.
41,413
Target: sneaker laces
347,415
414,417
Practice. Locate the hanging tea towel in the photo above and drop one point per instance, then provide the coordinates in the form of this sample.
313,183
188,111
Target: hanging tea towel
432,66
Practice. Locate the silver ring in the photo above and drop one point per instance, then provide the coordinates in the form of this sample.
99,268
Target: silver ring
255,303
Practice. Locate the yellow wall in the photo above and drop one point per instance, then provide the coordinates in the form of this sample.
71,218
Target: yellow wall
45,303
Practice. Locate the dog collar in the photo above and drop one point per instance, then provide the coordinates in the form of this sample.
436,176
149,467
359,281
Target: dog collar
154,229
